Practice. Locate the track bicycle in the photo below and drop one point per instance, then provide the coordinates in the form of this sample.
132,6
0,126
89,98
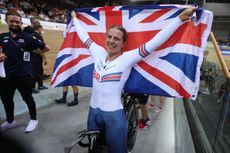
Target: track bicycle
94,139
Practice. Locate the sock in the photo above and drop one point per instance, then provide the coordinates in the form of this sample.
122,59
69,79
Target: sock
64,95
76,96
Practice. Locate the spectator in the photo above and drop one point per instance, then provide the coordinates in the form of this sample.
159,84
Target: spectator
26,7
3,8
155,106
30,29
144,122
37,61
64,95
33,9
36,58
17,47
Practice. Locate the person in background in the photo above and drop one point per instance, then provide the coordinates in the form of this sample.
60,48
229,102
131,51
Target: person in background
37,61
17,47
153,105
30,29
35,29
64,95
144,122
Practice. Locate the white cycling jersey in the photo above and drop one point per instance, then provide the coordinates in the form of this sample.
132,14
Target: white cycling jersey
109,77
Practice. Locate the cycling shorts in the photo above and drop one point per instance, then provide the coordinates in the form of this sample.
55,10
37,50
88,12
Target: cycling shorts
113,124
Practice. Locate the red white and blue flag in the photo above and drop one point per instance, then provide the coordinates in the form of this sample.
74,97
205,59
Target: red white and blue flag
172,70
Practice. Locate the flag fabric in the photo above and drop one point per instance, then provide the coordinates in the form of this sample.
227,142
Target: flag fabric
172,70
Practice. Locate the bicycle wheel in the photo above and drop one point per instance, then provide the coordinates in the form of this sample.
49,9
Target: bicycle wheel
132,118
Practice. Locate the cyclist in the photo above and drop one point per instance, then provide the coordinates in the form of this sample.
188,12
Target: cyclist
111,70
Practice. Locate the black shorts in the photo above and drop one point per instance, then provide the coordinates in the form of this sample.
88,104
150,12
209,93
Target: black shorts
142,98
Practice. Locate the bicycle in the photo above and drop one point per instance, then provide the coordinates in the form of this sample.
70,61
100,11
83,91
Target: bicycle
96,141
208,74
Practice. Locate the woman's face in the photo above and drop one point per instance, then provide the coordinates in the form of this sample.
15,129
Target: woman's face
114,41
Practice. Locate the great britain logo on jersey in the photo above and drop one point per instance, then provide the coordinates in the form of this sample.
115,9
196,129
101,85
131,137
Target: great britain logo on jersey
172,70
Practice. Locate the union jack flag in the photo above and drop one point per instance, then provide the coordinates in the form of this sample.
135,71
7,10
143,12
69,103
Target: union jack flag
172,70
